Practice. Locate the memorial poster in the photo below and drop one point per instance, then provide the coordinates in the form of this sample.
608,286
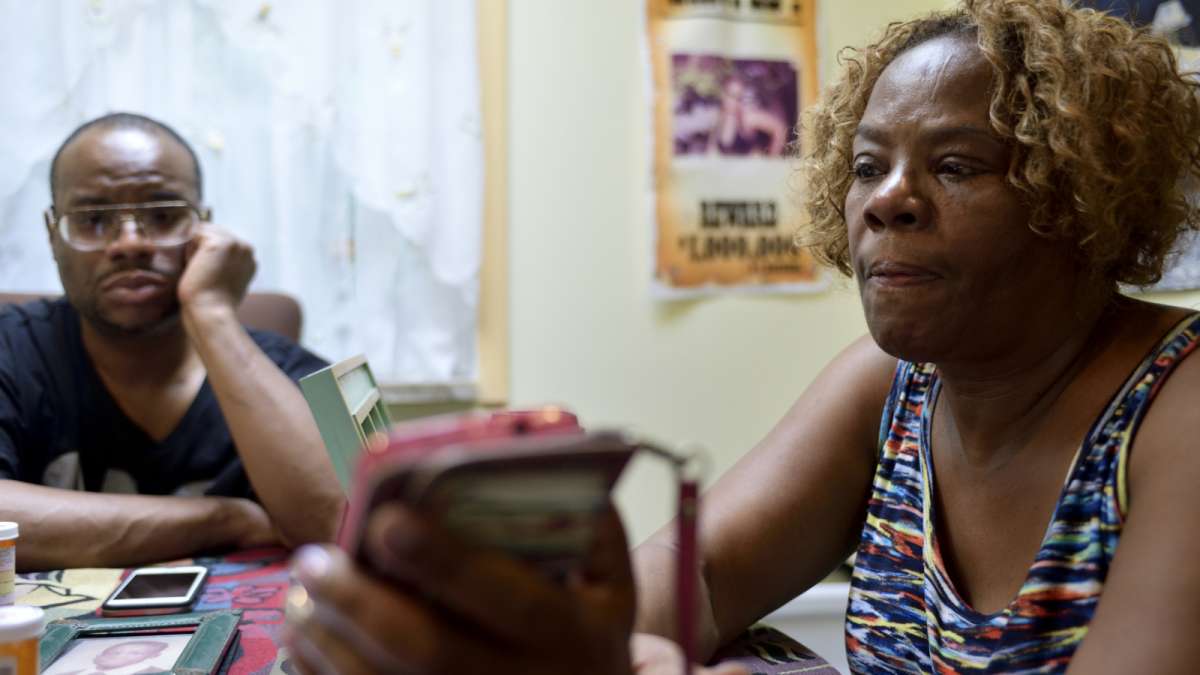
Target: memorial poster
729,80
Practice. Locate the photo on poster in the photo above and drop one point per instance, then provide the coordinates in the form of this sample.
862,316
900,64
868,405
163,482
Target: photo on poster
123,655
733,107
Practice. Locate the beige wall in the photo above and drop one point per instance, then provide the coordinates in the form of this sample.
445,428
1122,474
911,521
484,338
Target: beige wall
584,330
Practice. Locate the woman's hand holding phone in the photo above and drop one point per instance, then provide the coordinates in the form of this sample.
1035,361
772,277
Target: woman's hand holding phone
477,610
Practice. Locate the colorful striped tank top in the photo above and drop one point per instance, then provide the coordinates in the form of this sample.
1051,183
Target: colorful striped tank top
904,615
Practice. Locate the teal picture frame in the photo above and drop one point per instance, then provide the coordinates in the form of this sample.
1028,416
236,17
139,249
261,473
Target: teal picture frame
214,635
348,407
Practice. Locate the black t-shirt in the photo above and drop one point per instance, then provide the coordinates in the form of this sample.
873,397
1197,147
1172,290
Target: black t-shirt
60,427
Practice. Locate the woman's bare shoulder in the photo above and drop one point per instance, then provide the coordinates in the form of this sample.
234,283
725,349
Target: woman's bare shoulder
1168,431
1147,607
1146,320
856,383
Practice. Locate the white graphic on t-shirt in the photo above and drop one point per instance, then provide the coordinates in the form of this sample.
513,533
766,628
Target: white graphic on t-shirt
196,488
119,482
64,472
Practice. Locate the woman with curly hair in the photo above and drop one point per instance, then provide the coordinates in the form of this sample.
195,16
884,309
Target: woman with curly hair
1010,452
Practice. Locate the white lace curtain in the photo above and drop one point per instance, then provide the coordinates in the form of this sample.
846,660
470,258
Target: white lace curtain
342,139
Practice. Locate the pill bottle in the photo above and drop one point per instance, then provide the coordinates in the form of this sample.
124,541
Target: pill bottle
20,628
8,562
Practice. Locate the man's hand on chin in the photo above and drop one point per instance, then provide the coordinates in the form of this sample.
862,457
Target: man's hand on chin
218,270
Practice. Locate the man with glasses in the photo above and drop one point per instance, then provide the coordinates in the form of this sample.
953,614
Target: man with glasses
141,384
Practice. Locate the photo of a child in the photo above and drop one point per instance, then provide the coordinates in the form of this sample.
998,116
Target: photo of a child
124,655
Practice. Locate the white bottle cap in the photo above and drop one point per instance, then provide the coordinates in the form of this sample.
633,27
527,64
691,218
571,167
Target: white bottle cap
8,530
18,622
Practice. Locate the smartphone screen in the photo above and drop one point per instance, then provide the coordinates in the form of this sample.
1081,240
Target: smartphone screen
145,586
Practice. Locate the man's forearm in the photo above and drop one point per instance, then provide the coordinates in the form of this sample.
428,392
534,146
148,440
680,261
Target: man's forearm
272,427
65,528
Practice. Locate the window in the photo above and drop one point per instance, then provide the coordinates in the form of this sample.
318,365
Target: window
343,140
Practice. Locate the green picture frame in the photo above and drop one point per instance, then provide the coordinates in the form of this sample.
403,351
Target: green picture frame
349,409
214,635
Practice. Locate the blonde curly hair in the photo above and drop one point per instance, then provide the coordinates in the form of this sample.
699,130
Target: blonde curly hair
1105,130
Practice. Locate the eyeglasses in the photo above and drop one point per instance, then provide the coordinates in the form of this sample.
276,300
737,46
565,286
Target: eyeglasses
161,223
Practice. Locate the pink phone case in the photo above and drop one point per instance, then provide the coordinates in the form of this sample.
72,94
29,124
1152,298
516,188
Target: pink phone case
442,465
528,482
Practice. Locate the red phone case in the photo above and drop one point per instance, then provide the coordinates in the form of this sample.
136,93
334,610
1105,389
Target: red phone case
529,482
416,455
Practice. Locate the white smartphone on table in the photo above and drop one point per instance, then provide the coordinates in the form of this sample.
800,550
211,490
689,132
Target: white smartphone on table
156,590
